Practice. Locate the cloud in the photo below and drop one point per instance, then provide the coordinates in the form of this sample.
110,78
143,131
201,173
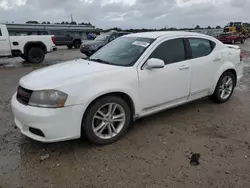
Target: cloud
128,13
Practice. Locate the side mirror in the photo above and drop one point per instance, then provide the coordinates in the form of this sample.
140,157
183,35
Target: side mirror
154,63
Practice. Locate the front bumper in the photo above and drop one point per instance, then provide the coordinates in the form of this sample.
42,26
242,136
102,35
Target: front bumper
88,52
56,124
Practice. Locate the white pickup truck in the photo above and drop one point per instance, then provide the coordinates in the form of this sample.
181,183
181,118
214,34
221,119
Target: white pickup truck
30,48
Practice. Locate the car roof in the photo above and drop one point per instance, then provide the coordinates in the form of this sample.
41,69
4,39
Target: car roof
157,34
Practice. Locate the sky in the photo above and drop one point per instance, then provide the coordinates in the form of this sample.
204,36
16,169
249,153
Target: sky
128,14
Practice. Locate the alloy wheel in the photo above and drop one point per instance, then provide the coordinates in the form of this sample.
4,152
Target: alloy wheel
226,87
108,120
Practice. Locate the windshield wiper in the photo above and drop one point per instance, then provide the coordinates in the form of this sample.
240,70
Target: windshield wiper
100,61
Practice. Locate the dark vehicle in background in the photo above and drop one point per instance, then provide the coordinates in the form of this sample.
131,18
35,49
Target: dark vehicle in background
65,38
232,38
90,47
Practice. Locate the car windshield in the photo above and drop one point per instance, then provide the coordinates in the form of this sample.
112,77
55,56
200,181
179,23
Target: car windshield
124,51
102,37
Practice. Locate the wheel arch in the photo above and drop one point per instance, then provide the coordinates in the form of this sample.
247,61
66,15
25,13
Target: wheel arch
228,69
39,44
76,39
126,97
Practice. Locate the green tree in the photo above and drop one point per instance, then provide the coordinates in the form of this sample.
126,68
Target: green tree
32,22
197,27
218,27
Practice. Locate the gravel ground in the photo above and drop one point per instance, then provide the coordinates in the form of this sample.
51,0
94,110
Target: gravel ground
154,153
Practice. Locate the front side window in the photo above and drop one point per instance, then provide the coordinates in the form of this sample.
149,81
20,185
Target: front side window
201,47
171,51
112,38
124,51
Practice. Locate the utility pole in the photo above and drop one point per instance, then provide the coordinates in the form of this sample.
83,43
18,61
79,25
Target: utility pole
72,18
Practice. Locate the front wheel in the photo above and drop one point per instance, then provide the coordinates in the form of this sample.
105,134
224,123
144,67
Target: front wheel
225,88
106,120
36,55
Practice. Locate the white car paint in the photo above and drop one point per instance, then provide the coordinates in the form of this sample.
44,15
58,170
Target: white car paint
150,90
7,46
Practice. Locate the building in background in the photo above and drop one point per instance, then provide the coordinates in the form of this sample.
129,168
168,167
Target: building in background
50,29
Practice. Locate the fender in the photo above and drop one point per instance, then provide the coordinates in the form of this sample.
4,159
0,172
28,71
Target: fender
226,66
106,89
34,43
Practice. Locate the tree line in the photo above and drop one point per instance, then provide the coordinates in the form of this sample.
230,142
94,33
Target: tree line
162,29
63,22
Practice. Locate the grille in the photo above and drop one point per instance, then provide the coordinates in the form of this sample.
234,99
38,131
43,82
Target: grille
23,95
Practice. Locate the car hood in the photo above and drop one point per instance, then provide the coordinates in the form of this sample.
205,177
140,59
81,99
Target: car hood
93,42
56,75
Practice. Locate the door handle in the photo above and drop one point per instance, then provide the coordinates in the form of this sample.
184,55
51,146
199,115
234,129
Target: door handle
217,59
184,67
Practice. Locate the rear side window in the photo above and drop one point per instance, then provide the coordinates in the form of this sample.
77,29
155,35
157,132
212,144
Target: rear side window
201,47
171,51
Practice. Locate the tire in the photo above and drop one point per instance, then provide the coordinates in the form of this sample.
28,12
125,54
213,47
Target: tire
35,55
242,41
105,128
70,46
77,44
24,57
220,87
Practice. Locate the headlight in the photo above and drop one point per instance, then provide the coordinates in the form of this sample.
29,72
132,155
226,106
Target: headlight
48,99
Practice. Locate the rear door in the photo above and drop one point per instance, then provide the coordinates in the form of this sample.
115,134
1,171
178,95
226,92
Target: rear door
4,43
204,64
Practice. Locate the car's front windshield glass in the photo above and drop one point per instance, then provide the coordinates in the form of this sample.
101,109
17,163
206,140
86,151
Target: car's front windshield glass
102,37
124,51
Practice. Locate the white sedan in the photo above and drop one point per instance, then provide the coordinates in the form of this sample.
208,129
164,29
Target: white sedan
132,77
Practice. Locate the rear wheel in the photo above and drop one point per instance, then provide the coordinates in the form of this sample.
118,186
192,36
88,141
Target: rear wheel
24,57
77,44
106,120
70,46
35,55
225,88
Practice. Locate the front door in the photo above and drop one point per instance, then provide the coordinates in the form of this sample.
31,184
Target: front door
169,85
4,44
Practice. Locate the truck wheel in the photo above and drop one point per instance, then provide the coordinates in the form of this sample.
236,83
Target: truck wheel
70,46
24,57
77,44
36,55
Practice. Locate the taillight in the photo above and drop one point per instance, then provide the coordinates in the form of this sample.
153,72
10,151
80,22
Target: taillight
53,39
241,56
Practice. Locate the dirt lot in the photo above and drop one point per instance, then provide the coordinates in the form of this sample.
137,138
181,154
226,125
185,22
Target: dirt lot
154,153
